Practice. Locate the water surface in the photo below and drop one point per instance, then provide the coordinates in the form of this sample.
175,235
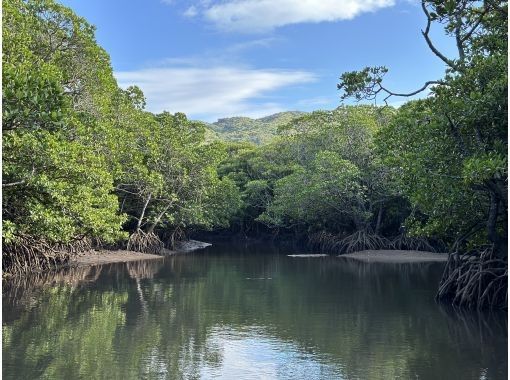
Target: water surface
245,313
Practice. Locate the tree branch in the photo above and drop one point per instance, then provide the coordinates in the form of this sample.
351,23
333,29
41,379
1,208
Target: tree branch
23,181
422,88
458,38
425,34
475,26
13,183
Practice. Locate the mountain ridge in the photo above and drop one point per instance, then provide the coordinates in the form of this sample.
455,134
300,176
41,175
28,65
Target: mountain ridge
257,131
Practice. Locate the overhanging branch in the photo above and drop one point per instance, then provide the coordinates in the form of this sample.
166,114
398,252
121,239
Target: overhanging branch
431,46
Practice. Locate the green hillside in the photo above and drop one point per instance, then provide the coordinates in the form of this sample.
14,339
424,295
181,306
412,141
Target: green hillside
258,131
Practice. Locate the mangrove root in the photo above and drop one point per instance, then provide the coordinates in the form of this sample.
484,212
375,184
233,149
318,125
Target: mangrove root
361,241
27,253
358,241
403,241
178,234
322,240
476,282
141,241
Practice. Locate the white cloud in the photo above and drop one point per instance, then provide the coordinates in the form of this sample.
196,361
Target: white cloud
265,15
262,42
209,93
191,11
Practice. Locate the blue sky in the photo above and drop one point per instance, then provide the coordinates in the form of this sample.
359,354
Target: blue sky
211,59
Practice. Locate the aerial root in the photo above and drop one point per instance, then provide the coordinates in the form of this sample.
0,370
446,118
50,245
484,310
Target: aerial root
144,242
361,241
477,282
27,253
414,243
358,241
323,240
178,234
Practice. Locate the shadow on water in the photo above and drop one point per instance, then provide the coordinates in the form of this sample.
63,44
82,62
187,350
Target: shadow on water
245,312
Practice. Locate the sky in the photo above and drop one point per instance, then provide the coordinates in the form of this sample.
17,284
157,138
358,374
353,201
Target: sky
221,58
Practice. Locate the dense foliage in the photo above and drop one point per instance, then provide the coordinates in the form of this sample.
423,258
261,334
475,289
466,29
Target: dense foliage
81,157
450,150
321,174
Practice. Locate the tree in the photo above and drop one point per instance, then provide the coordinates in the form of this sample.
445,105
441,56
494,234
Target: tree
56,190
451,149
83,161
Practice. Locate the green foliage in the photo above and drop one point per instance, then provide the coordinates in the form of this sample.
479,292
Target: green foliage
328,191
363,84
55,188
449,152
321,174
76,147
417,146
485,166
66,194
175,173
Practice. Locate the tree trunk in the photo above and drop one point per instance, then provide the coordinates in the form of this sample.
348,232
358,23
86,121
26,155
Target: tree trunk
158,219
500,244
139,224
122,205
379,219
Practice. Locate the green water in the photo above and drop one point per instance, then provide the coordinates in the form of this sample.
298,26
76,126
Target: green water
245,313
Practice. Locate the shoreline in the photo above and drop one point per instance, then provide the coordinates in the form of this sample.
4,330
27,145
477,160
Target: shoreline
103,256
95,257
99,257
396,256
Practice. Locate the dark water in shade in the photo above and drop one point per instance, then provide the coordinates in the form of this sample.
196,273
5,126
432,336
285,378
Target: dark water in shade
245,313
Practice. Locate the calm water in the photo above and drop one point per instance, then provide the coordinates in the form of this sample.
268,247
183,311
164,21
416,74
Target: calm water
239,313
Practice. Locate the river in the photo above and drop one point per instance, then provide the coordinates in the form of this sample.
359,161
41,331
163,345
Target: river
251,312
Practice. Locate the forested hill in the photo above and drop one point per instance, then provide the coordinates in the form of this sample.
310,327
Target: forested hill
258,131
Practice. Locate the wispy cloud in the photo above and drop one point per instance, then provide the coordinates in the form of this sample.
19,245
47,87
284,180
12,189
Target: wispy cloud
209,93
265,15
258,43
230,55
191,11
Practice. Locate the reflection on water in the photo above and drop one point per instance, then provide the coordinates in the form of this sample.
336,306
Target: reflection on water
242,313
